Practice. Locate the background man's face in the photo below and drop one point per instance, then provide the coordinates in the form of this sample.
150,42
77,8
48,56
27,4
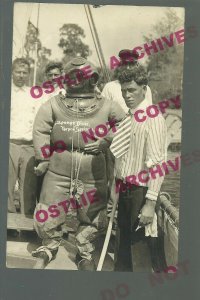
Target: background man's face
20,74
53,73
133,93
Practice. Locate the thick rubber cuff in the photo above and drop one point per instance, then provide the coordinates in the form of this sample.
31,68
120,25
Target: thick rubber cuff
43,249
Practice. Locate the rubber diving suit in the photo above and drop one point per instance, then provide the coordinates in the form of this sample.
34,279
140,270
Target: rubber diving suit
75,168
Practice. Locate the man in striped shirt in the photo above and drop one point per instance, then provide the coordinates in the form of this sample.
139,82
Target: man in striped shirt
139,148
112,92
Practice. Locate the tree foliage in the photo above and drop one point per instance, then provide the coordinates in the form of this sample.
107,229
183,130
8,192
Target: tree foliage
166,67
71,36
43,59
33,43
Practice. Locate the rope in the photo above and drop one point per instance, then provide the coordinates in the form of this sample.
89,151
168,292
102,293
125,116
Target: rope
72,161
77,169
171,221
169,210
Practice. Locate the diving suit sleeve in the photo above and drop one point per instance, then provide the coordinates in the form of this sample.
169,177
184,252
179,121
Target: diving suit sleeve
115,116
42,130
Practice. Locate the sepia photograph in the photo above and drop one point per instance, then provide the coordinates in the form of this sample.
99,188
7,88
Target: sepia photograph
95,137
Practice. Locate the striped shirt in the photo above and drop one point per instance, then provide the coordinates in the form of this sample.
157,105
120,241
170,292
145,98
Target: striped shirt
147,151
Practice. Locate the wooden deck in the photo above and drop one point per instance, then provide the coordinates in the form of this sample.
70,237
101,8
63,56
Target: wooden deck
22,222
19,247
19,222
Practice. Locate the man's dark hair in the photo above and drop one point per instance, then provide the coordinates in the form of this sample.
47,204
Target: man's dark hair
128,55
20,61
128,58
53,65
135,72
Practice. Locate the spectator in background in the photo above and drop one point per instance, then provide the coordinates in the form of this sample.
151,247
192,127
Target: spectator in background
53,70
21,152
112,90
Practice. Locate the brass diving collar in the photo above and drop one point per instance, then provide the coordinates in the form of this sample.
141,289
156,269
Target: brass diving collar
81,96
81,105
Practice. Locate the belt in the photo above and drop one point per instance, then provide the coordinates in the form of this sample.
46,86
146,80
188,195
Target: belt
21,142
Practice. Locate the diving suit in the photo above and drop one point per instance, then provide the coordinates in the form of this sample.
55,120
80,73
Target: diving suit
76,167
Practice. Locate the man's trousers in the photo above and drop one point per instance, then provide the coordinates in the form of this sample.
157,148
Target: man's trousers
21,167
133,249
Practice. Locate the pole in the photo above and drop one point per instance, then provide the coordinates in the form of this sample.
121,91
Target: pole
36,49
93,37
115,197
107,238
99,44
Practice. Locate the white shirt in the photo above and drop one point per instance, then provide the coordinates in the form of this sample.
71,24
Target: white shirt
23,110
112,91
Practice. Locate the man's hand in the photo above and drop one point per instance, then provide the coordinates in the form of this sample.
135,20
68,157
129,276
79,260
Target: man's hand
147,213
41,168
96,147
